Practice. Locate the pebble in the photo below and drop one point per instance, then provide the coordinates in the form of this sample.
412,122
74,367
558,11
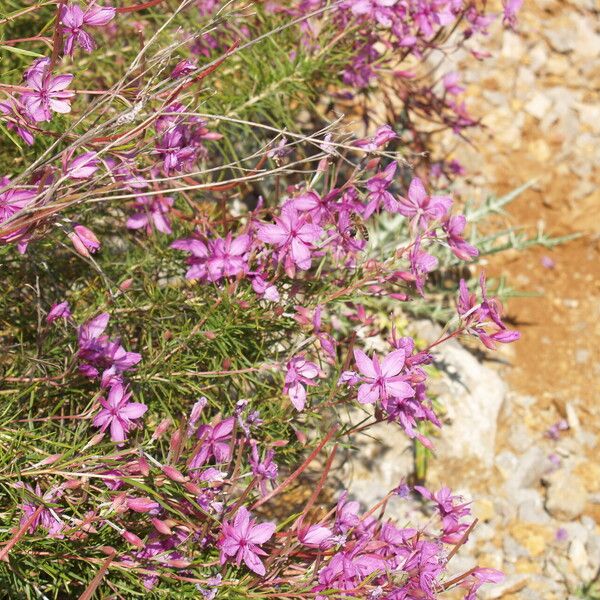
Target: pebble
566,495
578,557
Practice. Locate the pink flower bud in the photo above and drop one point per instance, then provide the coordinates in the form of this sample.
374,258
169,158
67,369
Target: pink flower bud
84,240
133,539
58,311
143,505
125,285
160,430
161,526
143,466
174,474
50,459
192,488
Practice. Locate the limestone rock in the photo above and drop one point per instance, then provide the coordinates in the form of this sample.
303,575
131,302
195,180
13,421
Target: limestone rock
566,496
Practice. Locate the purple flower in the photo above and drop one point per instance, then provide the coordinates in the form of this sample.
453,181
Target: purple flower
47,518
17,119
118,413
221,257
215,442
316,536
47,93
12,201
383,135
451,83
478,577
454,227
151,213
451,511
381,380
83,166
511,8
228,257
293,235
183,68
74,20
243,539
59,311
84,240
378,194
266,469
265,289
484,319
421,207
174,150
300,372
421,263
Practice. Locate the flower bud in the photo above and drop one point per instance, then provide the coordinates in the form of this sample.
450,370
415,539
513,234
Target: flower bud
133,539
174,474
161,526
84,240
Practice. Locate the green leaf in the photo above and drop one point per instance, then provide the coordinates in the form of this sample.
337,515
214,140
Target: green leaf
21,51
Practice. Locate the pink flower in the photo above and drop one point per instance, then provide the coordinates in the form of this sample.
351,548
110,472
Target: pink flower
227,257
451,83
74,20
316,536
183,68
83,166
118,413
421,263
17,119
58,311
421,207
216,442
151,213
47,93
84,240
221,257
46,518
454,227
300,372
378,194
243,538
265,289
293,235
511,8
381,380
12,201
383,135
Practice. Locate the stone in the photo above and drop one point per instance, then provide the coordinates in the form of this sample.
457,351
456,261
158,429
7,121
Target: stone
531,466
506,462
578,555
538,106
384,460
593,549
472,395
530,507
566,495
483,509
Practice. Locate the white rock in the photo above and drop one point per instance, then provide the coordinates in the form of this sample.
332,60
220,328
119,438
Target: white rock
538,106
383,461
566,495
472,395
579,557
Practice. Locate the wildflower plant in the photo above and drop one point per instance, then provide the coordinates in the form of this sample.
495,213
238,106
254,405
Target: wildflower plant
185,240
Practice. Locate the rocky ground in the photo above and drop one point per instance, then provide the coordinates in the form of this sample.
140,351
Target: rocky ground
523,434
